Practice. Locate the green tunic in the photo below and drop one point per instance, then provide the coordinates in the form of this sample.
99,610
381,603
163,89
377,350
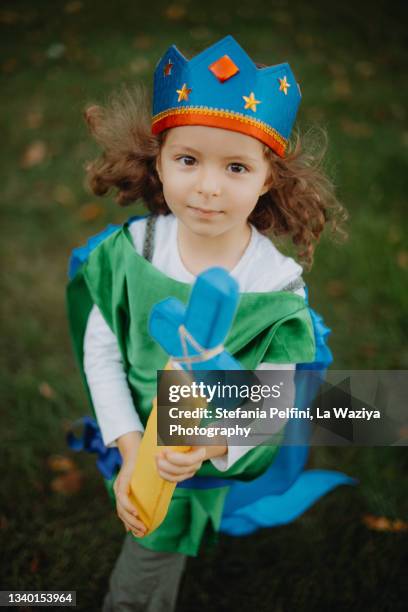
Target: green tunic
272,327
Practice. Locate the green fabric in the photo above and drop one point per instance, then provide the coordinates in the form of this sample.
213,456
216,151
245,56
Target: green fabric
270,327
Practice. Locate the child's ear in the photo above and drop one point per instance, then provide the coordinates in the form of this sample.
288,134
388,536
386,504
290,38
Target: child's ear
266,187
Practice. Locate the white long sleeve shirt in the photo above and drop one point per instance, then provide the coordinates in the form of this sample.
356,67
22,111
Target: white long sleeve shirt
261,268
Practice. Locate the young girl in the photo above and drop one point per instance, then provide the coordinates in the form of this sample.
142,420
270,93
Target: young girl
215,169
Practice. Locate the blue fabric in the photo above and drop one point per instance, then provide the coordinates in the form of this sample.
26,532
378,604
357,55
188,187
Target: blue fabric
109,459
274,510
81,254
285,490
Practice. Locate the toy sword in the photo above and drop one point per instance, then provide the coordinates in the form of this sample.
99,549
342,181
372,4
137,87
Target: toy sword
193,336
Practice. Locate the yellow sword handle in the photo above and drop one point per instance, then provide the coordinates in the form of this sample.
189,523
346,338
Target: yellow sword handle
149,492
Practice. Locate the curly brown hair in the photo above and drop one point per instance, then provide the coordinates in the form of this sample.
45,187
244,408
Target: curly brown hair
299,204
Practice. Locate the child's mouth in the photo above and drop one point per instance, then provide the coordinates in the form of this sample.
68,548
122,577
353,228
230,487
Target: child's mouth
204,212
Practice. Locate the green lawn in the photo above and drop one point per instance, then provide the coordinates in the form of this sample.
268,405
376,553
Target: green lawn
350,61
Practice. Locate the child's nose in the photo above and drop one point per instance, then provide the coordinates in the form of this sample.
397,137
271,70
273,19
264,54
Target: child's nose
208,183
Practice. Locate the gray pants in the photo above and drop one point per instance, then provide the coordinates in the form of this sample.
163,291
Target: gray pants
144,580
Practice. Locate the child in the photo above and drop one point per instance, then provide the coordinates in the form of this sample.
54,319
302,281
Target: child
215,168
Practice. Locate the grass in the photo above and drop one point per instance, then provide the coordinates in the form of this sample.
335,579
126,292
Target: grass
350,61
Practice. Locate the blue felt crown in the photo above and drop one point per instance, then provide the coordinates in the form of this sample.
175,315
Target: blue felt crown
222,87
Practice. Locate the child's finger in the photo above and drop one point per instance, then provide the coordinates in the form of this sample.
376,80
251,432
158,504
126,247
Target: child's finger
129,514
185,459
125,502
169,468
176,477
136,532
134,523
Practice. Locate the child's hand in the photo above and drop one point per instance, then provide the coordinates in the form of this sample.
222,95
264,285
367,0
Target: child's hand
126,511
175,466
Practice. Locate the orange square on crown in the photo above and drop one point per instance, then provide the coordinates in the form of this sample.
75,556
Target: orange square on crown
224,68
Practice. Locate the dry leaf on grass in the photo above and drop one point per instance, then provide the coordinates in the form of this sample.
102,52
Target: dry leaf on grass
143,42
46,390
8,17
91,211
341,87
34,565
336,288
382,523
63,195
9,66
73,7
174,12
402,259
60,463
34,154
68,483
368,349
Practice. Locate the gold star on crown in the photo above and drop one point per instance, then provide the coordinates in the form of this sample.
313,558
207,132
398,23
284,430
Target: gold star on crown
284,85
183,92
250,101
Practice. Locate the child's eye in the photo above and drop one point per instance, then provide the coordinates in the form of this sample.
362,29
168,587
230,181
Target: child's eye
241,168
188,158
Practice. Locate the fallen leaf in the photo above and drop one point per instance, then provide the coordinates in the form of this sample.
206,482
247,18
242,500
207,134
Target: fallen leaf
143,42
68,483
403,432
377,523
341,87
9,65
91,211
402,259
46,390
382,523
336,288
73,7
63,195
34,154
61,463
8,17
399,525
34,565
368,350
175,12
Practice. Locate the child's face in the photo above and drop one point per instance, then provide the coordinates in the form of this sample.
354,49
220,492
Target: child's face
212,178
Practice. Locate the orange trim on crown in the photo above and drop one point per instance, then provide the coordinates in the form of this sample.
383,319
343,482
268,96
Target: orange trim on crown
222,119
